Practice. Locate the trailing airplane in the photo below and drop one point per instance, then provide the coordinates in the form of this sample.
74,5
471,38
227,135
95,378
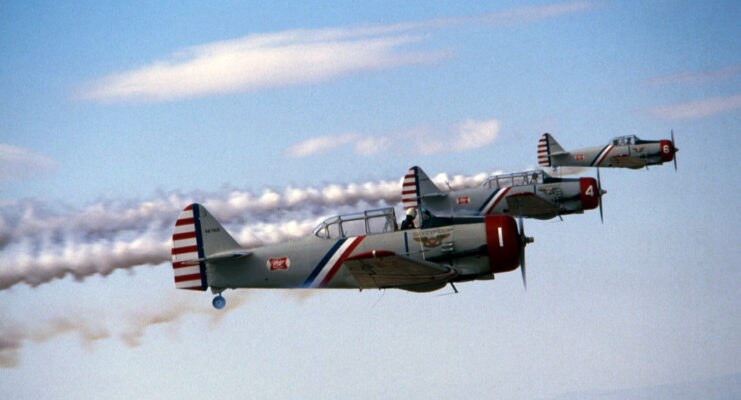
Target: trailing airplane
621,152
365,250
531,194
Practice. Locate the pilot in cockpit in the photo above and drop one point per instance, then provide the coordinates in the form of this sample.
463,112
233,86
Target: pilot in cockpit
408,222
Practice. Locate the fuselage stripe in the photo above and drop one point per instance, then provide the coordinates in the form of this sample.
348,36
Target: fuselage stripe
481,209
331,263
322,263
491,204
350,248
602,154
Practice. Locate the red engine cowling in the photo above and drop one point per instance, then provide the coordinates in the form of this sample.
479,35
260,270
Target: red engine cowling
589,193
666,149
502,243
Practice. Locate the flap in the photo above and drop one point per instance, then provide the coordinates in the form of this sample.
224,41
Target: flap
386,269
531,205
627,161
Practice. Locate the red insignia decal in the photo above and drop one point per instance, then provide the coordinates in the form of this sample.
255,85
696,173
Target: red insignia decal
279,264
463,200
579,157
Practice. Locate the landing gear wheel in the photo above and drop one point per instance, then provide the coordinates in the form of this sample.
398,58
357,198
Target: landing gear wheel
219,302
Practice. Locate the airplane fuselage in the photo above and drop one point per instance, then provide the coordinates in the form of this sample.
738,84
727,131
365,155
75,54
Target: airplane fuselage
626,156
565,195
316,262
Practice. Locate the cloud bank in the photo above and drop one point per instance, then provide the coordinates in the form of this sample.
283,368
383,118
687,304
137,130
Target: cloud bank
295,57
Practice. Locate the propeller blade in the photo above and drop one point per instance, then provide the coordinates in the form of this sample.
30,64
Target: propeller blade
674,149
599,190
523,243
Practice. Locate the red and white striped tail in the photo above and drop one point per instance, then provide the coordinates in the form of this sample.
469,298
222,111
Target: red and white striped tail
187,249
544,153
410,189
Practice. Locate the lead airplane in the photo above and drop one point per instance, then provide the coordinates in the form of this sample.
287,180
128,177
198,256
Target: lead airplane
364,250
621,152
532,194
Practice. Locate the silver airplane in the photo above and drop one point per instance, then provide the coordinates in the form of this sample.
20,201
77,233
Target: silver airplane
364,250
532,194
621,152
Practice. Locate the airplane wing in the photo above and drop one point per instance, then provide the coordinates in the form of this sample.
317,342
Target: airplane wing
531,205
627,162
386,269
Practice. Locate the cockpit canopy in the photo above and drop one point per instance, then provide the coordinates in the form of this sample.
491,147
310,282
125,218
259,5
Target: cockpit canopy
368,222
627,140
524,178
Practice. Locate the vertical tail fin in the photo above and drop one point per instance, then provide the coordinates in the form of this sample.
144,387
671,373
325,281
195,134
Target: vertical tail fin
197,236
187,249
416,184
548,146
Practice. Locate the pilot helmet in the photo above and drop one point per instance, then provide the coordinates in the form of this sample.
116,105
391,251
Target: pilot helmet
412,212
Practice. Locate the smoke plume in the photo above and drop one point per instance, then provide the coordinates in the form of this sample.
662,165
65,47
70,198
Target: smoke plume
91,325
41,243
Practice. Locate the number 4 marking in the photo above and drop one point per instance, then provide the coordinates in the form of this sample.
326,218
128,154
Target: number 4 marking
590,191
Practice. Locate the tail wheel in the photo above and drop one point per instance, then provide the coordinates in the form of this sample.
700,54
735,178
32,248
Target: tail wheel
219,302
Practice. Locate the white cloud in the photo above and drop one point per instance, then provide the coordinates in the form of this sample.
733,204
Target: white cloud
473,134
369,146
261,61
468,135
294,57
697,109
319,145
20,163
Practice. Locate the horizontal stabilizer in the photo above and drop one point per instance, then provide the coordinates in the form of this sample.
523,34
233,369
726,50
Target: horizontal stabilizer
221,257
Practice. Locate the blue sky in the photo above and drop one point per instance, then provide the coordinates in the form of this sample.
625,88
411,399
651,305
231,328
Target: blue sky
114,117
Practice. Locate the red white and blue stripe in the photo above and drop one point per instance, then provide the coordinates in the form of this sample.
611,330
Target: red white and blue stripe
544,151
328,266
187,248
602,155
410,189
491,203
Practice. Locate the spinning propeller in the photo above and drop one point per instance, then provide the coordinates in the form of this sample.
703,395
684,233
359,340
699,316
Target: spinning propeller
524,240
675,149
600,192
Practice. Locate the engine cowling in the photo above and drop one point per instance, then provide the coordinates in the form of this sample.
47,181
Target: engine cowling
666,149
502,243
588,193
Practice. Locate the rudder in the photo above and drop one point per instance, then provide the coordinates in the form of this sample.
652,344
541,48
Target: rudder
416,184
187,249
547,147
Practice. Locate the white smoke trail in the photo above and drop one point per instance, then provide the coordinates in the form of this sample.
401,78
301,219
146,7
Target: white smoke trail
41,244
91,325
81,259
